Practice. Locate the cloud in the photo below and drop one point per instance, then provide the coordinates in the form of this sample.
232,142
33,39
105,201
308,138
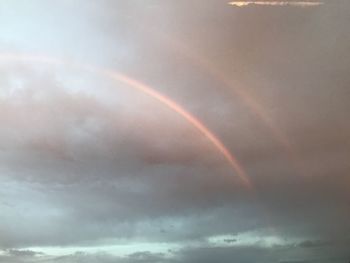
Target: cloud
22,253
194,254
88,165
99,257
276,3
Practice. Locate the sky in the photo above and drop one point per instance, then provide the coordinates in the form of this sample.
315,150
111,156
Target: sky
174,131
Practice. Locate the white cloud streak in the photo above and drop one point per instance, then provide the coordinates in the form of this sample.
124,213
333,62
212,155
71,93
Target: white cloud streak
276,3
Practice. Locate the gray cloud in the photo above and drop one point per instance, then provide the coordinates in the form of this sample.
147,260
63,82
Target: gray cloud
86,163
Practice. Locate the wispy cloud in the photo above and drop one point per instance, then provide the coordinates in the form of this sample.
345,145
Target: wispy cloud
276,3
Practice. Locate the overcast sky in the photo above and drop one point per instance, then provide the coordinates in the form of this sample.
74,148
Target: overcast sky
93,169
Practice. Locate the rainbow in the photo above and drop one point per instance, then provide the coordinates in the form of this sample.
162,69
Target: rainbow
168,102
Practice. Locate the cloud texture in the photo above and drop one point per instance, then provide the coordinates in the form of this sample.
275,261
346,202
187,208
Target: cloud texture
93,171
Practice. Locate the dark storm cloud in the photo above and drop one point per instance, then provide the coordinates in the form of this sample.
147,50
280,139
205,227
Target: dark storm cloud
76,170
